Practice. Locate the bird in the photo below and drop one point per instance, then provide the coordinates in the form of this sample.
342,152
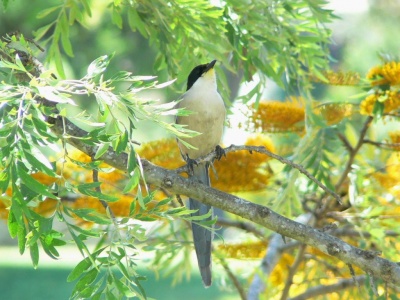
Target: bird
207,118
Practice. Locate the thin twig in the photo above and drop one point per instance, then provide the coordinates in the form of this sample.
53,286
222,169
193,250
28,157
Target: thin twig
345,142
387,146
233,278
274,252
322,289
335,270
242,225
95,175
353,275
292,271
353,153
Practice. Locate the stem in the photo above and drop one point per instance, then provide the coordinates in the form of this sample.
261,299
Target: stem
353,153
292,272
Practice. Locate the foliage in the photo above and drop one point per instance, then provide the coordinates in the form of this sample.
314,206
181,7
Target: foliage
43,180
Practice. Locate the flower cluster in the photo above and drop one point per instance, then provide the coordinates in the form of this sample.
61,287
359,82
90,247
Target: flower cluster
242,171
277,116
390,180
333,113
249,250
164,153
388,74
391,100
341,78
395,139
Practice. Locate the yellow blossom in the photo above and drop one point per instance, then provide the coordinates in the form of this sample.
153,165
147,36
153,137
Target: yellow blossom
164,153
341,78
391,179
335,112
393,165
3,210
277,116
279,273
389,73
46,207
249,250
395,139
242,171
391,103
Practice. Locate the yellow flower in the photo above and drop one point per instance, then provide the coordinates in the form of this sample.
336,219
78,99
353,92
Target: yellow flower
340,78
391,179
335,112
241,171
3,210
391,103
277,116
389,73
395,139
164,153
249,250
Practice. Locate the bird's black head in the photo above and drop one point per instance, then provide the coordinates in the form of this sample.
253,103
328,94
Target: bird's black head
197,72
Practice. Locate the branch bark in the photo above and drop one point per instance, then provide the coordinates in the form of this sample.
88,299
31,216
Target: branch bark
173,182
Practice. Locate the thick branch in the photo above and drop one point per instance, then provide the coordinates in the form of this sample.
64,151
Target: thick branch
170,180
260,149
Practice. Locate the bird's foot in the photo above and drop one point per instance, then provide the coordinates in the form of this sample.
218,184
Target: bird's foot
190,164
219,152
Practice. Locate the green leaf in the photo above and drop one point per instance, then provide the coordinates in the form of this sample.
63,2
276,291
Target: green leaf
378,109
63,23
40,165
34,251
21,233
85,280
47,11
81,267
58,61
87,189
12,224
101,150
132,182
42,31
132,161
34,185
98,66
4,179
116,17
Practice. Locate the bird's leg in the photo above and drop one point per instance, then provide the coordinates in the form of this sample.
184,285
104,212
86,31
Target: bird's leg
219,152
190,163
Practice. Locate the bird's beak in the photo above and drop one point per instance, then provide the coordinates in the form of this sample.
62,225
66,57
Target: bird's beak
210,65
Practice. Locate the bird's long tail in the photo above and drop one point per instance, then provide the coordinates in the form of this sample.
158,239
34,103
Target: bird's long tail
202,237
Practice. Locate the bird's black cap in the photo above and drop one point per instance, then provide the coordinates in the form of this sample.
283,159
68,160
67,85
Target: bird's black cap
198,71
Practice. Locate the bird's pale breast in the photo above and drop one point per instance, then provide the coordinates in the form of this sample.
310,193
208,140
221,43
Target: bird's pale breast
207,118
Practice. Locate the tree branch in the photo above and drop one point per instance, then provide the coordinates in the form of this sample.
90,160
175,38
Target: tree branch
389,146
170,180
353,153
326,289
274,252
246,226
260,149
292,272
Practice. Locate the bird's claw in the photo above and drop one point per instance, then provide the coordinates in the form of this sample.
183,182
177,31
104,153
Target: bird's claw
219,152
190,164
